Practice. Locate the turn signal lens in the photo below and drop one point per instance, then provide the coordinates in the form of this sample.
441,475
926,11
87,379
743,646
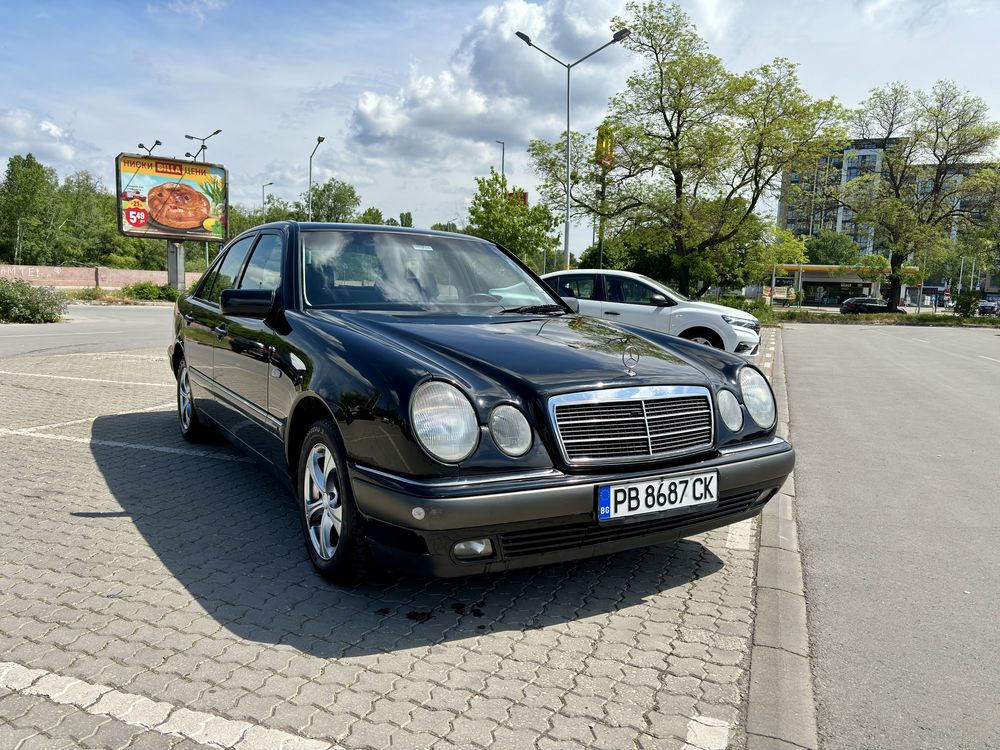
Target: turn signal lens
729,409
510,430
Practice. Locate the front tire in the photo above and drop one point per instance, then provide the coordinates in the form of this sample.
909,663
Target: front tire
703,336
331,523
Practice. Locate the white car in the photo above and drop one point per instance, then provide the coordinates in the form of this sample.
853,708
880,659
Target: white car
633,299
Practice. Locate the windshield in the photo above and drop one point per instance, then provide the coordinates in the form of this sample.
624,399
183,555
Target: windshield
373,270
670,290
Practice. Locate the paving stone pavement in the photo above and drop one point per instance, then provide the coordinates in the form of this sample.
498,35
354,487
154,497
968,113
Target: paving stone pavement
155,594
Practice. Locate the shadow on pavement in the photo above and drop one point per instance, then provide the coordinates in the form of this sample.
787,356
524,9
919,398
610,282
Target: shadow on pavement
228,531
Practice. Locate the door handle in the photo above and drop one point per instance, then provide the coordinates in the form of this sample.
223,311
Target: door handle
611,312
220,331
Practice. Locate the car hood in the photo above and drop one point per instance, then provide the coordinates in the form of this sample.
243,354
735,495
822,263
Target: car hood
544,354
732,312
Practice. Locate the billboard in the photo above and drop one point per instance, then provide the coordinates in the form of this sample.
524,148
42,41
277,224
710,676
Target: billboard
171,199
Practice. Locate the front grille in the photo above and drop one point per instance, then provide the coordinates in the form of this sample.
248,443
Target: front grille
516,544
633,424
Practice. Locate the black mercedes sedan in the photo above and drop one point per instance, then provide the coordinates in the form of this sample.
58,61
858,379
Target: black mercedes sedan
439,410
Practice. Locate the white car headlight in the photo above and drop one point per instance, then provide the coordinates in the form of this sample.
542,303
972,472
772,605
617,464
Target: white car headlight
757,396
510,430
729,409
444,421
751,325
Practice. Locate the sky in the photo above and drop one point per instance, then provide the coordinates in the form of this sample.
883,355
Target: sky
410,96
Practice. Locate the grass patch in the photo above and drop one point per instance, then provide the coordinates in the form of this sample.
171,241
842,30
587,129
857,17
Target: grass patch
20,302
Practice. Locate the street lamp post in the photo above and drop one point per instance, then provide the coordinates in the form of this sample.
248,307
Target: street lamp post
319,140
618,36
503,149
149,151
203,148
263,207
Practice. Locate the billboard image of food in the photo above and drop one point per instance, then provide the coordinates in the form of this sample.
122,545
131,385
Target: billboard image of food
171,198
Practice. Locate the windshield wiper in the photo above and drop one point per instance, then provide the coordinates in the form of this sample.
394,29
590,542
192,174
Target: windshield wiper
534,309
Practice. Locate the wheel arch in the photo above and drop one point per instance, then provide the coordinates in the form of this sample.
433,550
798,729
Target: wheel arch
309,408
704,331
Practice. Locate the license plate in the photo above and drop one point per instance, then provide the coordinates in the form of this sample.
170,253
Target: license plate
663,493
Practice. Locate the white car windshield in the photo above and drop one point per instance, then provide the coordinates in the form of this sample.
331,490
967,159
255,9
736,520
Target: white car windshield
385,270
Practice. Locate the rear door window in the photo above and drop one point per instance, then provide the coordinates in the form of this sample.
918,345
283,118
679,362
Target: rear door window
229,270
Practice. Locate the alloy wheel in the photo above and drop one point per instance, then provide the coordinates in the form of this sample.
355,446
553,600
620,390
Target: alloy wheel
322,501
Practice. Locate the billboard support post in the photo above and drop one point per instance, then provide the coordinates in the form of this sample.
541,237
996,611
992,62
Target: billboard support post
175,265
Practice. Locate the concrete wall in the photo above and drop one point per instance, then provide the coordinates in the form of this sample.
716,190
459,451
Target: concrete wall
66,277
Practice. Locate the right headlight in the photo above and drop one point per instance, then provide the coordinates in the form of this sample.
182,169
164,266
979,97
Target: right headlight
757,397
444,421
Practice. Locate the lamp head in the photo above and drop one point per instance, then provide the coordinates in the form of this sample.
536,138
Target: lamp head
524,38
189,155
142,146
189,137
216,132
621,34
158,143
320,139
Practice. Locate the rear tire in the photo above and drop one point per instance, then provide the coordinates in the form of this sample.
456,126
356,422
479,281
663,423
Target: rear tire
331,523
193,429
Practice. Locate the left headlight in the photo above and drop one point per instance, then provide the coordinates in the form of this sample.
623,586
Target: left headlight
757,397
444,421
752,325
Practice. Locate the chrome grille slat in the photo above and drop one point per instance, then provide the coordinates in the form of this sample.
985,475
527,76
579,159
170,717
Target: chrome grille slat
633,424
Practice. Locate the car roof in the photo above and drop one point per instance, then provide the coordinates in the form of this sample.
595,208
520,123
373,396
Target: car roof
314,225
629,274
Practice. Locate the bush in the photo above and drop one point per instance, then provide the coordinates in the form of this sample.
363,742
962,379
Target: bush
967,304
20,302
756,307
147,290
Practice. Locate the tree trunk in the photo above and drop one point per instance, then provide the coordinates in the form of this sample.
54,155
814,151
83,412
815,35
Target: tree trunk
684,280
895,285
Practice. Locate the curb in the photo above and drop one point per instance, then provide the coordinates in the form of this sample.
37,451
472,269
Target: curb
781,710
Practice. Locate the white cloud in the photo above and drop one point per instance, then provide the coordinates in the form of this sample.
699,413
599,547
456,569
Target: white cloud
715,17
23,131
196,9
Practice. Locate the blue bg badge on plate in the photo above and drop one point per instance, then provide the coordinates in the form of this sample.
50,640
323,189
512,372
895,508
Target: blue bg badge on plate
604,503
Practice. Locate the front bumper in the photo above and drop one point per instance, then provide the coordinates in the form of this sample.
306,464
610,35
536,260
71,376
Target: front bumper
549,516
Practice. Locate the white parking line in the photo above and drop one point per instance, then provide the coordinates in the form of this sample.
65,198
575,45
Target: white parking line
33,335
85,380
158,407
157,716
982,356
120,444
705,733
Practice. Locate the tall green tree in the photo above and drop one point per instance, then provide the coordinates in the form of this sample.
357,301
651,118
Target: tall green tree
28,211
371,215
935,180
832,248
333,200
502,215
697,147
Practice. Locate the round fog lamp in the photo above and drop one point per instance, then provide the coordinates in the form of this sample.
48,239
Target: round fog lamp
729,409
757,396
510,430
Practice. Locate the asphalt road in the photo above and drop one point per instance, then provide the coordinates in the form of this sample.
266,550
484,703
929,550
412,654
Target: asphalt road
898,479
91,328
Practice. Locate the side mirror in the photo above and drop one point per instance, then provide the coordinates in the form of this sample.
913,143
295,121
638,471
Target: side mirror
660,301
573,302
247,303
